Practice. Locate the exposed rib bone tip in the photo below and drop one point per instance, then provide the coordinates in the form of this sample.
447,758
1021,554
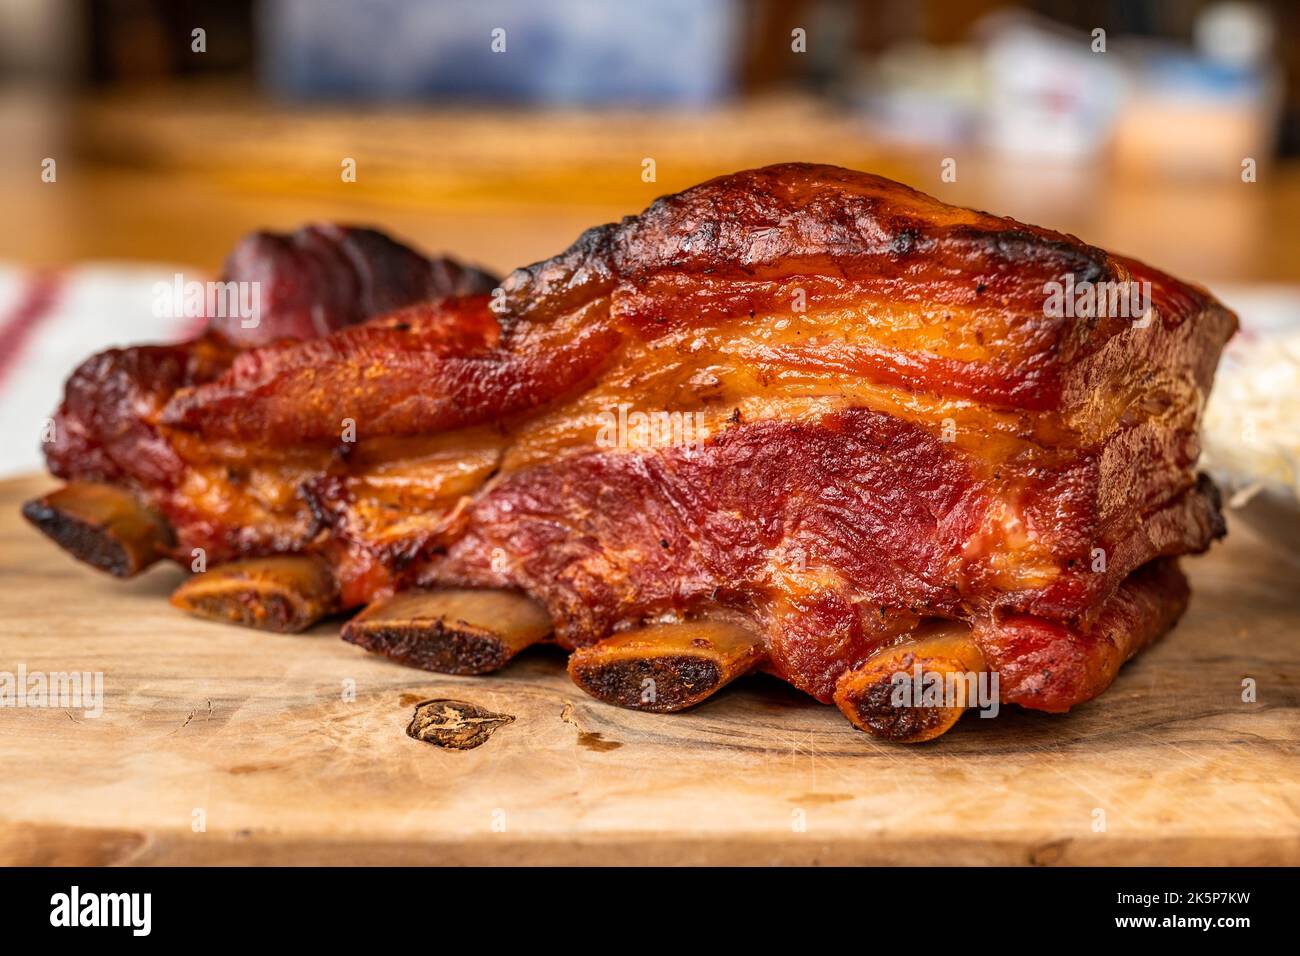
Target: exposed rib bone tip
450,631
285,594
666,667
104,526
871,698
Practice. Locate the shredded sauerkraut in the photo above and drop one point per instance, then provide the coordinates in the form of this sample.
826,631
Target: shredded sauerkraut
1251,431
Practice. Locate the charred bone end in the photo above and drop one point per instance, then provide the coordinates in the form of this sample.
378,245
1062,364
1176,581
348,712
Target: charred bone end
451,631
884,697
666,667
101,525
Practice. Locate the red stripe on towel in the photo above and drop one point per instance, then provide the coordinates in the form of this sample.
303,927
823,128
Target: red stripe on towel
35,305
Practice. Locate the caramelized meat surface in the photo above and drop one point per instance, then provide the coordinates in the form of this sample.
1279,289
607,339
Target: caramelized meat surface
803,415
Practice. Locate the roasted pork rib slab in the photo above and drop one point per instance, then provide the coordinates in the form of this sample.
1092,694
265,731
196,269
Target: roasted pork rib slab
797,418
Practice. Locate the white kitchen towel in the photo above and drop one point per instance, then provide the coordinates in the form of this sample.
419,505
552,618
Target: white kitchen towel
50,321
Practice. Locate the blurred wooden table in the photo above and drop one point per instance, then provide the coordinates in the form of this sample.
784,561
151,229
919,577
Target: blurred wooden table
180,179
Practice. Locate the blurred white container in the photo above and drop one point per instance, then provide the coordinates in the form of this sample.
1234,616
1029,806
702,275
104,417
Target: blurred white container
1049,94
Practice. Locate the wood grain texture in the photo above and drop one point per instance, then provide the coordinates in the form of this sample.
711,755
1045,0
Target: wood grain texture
255,730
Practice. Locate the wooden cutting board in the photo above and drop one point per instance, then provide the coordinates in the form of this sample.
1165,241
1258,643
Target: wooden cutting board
223,745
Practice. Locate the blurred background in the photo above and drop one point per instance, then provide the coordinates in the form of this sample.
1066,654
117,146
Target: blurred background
498,129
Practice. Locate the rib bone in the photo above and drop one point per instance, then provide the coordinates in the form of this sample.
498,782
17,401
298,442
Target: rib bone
666,667
102,525
867,696
285,594
450,631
